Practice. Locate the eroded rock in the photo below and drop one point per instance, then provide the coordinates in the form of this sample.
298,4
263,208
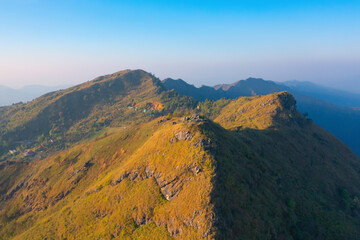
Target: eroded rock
183,135
170,187
207,144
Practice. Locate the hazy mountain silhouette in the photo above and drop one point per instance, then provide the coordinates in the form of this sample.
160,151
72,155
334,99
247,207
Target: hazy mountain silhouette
338,97
9,95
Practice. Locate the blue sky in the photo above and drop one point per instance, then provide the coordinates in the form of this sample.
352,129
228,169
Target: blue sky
57,42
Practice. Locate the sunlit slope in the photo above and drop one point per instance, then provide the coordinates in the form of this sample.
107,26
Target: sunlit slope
260,112
152,181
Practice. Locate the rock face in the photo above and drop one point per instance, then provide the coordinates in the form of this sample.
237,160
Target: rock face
183,135
170,188
287,101
193,118
207,144
134,175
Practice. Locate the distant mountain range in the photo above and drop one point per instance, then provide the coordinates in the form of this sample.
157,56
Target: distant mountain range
338,97
10,96
337,111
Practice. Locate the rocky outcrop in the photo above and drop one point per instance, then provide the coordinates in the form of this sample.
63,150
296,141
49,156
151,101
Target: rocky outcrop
287,101
136,175
17,188
194,117
206,144
170,186
183,135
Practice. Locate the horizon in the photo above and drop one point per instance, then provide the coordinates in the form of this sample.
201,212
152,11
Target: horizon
203,42
64,86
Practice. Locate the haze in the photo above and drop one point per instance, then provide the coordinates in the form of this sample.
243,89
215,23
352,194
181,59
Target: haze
204,42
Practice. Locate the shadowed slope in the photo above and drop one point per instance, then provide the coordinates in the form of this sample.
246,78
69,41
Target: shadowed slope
282,177
200,93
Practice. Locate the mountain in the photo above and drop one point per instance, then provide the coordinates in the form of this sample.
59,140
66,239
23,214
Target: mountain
81,111
10,96
339,120
255,168
184,88
249,87
338,97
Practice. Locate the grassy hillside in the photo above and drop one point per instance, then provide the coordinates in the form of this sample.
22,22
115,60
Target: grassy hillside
68,116
141,181
257,169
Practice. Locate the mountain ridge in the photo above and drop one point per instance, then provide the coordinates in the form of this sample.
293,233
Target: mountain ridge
87,106
341,121
248,168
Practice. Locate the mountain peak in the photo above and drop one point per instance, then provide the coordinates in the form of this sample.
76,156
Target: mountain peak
260,112
177,81
127,75
254,79
101,100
